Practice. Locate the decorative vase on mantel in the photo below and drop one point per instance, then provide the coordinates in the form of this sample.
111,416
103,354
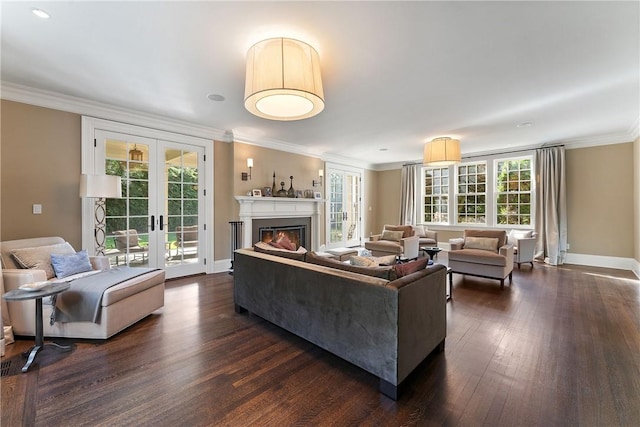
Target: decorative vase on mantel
282,192
291,192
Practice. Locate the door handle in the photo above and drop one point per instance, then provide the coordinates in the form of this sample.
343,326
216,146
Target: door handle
153,223
161,223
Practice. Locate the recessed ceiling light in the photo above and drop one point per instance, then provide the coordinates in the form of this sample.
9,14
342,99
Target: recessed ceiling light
525,125
216,97
384,149
40,13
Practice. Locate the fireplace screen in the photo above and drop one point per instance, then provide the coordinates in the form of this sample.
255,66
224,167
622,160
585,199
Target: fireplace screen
295,233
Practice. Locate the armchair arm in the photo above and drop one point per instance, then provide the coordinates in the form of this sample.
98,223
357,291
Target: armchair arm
507,251
410,246
13,278
456,244
526,249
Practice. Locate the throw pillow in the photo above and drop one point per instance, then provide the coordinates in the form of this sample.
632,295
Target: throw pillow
363,261
419,230
393,236
483,243
40,257
387,260
265,248
66,265
407,268
283,242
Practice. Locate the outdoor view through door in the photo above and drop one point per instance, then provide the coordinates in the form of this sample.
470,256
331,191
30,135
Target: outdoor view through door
344,207
156,222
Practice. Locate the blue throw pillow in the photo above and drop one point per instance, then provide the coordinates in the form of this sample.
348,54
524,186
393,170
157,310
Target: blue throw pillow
67,265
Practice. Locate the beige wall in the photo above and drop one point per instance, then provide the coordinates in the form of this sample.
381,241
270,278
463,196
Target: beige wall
600,200
40,164
222,194
387,208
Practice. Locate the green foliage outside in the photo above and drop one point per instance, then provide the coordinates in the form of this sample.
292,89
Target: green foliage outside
513,185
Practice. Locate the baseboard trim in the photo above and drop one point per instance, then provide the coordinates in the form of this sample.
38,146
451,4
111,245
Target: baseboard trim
221,265
603,261
636,268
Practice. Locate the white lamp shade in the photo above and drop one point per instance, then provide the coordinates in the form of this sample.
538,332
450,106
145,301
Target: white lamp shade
107,186
283,80
249,162
442,152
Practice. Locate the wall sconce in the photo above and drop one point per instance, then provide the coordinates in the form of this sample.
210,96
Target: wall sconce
245,175
320,174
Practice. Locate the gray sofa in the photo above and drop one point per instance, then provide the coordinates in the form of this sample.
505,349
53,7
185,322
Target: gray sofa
386,327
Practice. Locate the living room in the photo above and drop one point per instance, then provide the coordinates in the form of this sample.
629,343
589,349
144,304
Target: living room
42,127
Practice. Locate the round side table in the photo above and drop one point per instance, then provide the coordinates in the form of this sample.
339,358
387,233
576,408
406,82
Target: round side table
21,295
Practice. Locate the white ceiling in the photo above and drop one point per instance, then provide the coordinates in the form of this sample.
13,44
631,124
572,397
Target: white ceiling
395,74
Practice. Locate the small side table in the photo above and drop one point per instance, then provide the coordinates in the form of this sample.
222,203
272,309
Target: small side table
450,274
20,295
431,250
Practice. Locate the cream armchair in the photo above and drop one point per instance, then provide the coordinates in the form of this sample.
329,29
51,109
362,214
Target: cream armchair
524,246
395,240
425,237
482,253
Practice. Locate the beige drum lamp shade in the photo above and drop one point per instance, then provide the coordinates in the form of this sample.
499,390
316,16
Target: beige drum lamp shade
442,152
283,80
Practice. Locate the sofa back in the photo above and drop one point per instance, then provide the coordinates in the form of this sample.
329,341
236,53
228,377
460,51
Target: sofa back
6,247
501,235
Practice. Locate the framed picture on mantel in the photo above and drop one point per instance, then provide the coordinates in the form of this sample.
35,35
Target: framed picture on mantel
256,192
317,195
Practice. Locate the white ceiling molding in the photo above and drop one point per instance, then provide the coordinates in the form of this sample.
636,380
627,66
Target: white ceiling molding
70,104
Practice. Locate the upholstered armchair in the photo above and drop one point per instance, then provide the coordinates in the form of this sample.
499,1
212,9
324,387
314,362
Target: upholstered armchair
482,253
394,240
127,243
524,246
425,237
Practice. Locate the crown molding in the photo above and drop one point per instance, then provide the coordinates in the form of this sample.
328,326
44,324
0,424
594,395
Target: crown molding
71,104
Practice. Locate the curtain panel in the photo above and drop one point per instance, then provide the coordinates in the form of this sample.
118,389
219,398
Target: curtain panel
551,206
408,194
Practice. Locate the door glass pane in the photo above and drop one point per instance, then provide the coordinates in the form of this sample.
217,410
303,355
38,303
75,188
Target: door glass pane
182,206
335,208
353,207
127,225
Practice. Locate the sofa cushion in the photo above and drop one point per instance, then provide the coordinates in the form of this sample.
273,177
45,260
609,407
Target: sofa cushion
478,256
66,265
393,236
483,243
407,268
384,246
298,254
407,230
40,257
381,272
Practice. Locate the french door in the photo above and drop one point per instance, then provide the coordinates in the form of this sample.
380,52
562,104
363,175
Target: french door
344,207
159,221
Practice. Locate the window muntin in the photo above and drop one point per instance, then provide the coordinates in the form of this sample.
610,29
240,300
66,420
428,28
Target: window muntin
513,191
471,195
436,195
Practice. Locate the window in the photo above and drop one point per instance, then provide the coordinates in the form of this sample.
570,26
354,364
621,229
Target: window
471,198
436,195
490,191
513,191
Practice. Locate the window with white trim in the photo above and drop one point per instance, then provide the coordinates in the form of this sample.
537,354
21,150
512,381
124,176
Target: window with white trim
471,195
436,195
493,192
513,191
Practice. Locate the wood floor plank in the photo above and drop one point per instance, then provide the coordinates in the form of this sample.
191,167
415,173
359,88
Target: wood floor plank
560,346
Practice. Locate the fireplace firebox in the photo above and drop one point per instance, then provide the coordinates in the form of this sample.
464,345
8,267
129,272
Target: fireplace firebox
296,229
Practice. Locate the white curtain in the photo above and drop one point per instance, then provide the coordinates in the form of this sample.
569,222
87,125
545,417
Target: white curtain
551,206
408,194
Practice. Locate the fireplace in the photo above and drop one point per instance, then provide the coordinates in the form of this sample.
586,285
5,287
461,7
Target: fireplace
280,213
295,229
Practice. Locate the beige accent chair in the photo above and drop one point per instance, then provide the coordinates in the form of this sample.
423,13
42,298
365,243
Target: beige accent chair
425,237
524,246
482,253
395,240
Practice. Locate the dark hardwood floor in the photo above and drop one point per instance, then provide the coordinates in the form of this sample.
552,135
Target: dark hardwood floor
561,346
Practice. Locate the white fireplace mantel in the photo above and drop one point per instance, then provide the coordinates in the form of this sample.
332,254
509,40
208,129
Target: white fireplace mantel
279,207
